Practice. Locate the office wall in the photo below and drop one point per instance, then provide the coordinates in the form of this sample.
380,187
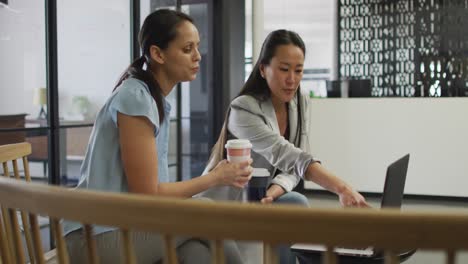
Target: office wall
357,138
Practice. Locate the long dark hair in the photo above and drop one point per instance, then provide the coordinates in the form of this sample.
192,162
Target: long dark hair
257,86
159,28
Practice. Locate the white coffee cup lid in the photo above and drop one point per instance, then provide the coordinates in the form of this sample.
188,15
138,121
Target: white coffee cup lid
238,144
260,172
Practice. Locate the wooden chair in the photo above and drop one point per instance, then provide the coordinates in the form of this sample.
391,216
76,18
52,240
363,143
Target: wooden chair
387,229
10,233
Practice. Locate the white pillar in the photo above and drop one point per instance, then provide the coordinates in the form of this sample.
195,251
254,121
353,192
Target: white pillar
257,29
334,71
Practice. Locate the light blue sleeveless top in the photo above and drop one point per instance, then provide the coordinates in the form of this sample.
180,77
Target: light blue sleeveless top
102,168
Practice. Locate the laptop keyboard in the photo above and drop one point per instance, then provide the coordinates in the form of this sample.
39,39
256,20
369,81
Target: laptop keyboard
357,251
353,248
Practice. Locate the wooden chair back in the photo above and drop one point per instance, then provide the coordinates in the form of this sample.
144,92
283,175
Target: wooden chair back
391,230
12,251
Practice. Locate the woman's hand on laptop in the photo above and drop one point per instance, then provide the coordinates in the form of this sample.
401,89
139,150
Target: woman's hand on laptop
351,198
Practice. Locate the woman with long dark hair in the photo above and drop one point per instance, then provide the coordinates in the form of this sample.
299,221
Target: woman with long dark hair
127,151
271,112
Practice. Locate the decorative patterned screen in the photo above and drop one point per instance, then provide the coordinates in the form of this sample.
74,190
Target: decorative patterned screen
405,47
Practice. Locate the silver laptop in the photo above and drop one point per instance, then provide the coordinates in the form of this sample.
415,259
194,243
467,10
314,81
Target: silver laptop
392,197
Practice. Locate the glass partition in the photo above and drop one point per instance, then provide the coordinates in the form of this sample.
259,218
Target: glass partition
23,90
92,54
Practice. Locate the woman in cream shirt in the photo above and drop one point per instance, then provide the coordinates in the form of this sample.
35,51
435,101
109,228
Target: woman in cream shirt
271,112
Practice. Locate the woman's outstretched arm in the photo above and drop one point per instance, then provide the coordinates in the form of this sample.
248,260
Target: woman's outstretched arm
140,161
348,196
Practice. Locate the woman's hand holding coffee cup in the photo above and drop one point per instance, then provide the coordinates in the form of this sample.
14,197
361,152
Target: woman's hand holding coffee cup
235,174
236,171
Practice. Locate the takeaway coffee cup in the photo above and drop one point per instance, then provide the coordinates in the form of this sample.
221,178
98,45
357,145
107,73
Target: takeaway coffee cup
257,186
238,150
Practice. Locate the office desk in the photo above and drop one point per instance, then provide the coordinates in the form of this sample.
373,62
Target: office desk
16,128
11,122
39,140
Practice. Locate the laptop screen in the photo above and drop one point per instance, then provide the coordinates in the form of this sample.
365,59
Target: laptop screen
395,183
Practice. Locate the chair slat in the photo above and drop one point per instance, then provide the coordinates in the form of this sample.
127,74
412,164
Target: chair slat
18,245
15,169
36,236
7,228
6,171
4,246
217,252
91,244
390,257
329,256
270,255
28,236
59,241
27,176
451,255
128,252
170,256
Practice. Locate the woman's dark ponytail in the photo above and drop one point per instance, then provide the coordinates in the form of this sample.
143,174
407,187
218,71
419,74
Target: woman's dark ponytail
136,64
158,29
135,70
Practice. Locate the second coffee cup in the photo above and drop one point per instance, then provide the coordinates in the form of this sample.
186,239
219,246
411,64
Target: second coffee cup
238,150
257,187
